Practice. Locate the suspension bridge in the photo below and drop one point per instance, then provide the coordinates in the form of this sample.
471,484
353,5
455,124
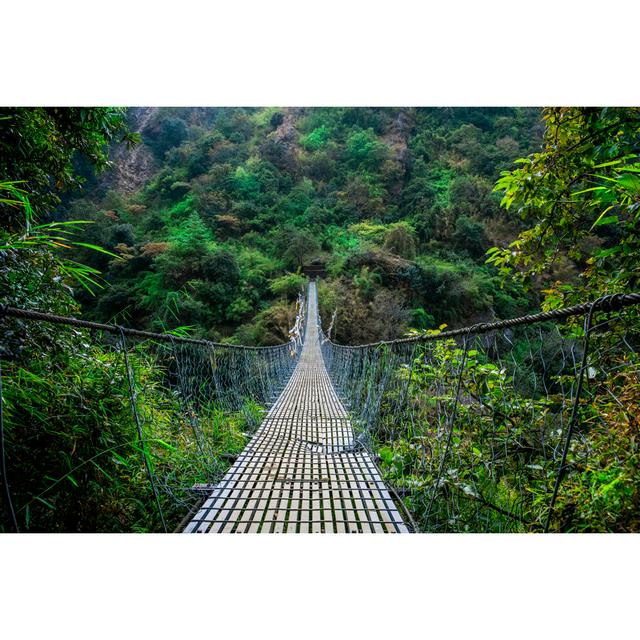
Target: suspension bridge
303,471
472,429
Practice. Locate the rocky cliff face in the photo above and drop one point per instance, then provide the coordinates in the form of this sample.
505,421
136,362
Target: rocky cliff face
132,168
281,145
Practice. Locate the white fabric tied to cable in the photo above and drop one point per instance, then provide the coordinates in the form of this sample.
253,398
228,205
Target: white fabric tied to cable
296,332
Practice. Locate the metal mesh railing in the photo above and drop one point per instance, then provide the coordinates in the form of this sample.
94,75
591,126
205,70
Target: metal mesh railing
111,429
525,425
529,424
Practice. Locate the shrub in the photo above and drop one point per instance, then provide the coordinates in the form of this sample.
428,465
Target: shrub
289,285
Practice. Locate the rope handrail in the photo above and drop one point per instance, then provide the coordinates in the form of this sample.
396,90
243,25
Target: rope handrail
611,302
480,433
190,401
472,439
28,314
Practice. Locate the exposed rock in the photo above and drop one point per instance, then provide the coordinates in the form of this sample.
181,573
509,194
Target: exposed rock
281,146
397,136
132,168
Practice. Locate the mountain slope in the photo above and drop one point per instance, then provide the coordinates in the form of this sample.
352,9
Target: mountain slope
217,209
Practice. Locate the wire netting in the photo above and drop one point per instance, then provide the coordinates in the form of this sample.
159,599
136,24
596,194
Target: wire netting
527,428
110,431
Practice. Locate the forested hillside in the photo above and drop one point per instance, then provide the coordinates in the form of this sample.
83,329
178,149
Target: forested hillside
214,214
202,221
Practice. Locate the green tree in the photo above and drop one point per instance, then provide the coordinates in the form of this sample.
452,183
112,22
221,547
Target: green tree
288,285
581,197
297,246
469,236
165,133
316,139
246,183
39,147
365,150
42,151
190,248
399,240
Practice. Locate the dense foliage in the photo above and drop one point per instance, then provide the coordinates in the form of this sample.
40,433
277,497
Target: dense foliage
207,226
580,198
396,204
73,459
50,150
472,438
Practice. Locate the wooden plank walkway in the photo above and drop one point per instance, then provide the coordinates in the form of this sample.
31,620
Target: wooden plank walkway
299,473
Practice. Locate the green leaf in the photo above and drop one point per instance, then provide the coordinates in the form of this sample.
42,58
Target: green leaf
95,464
608,164
629,182
96,248
120,459
606,220
605,253
600,188
45,502
166,445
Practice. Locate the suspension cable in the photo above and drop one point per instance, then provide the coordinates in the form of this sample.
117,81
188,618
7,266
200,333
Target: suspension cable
3,465
28,314
611,302
136,418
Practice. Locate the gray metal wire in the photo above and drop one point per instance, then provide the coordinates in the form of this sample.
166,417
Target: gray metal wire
475,429
479,428
193,403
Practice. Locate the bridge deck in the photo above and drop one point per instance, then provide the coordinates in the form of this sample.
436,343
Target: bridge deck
299,473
